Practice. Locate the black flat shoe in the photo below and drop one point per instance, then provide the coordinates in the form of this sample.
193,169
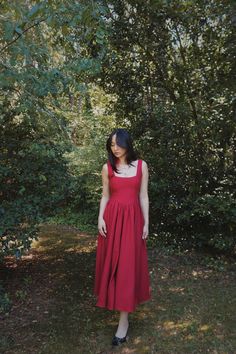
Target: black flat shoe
118,341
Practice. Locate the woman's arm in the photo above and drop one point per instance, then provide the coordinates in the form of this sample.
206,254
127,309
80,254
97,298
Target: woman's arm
144,200
103,202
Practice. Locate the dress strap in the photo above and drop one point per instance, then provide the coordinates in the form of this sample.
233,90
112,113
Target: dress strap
139,167
110,170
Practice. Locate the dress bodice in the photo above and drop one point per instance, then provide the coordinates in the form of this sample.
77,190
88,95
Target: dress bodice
125,189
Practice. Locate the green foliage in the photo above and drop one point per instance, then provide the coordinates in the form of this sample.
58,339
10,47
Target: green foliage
21,294
217,264
5,302
171,65
71,71
85,221
44,67
34,180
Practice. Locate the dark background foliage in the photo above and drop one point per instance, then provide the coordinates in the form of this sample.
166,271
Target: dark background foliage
171,65
71,71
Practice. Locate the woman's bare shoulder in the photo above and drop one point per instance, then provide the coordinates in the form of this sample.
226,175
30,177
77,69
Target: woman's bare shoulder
144,167
105,168
144,163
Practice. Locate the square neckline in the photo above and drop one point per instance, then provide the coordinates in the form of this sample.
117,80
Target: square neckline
129,176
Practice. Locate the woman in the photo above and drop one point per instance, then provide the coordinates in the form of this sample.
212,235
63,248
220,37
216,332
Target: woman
122,278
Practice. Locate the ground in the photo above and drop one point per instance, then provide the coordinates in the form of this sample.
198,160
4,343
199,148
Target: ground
53,311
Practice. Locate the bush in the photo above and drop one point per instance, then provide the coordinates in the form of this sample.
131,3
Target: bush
5,302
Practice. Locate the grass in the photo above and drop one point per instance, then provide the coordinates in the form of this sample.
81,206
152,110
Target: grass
192,309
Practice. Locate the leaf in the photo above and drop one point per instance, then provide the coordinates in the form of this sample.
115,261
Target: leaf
8,31
22,189
35,10
43,178
18,30
65,30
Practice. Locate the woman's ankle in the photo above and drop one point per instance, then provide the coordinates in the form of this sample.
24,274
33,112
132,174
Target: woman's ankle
122,328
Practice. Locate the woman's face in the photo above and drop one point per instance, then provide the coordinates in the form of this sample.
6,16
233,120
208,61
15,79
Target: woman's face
117,150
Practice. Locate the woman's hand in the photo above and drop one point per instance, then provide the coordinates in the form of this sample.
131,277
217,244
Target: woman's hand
102,227
145,232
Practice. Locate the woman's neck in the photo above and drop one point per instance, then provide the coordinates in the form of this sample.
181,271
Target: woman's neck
122,161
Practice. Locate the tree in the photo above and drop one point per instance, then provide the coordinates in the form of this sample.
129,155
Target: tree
44,64
171,64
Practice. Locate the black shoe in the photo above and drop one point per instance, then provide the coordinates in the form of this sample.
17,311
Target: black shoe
118,341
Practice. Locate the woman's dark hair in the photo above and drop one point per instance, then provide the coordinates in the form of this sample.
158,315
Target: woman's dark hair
124,140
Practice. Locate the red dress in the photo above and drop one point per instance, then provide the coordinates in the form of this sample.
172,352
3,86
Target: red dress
121,276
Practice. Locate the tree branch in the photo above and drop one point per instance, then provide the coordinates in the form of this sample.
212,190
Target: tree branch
19,35
181,49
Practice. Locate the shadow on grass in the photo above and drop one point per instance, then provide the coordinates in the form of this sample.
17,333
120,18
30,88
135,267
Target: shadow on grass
191,310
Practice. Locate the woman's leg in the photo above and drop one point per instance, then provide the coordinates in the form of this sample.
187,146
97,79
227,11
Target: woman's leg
123,324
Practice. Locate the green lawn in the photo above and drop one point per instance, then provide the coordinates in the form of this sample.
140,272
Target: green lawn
192,309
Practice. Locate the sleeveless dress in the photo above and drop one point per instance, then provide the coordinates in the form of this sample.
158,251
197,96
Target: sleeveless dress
121,274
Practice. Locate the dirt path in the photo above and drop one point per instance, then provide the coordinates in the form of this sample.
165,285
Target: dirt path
191,311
